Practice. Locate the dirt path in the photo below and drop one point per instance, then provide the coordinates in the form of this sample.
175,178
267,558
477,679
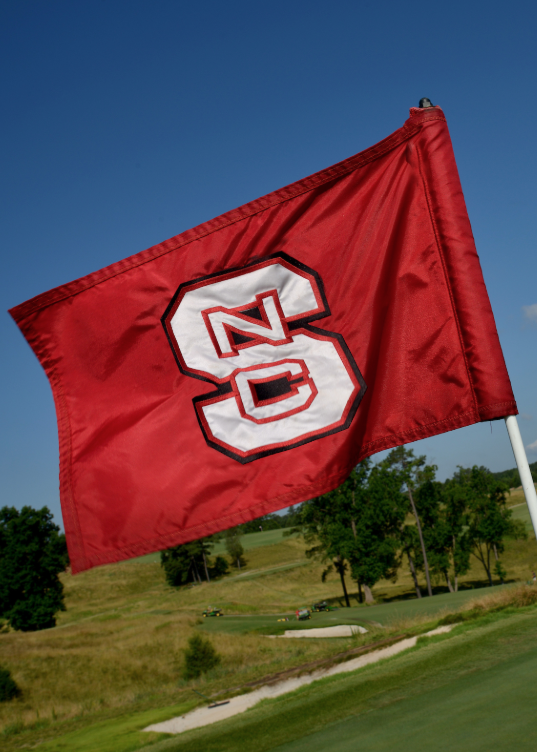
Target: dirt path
207,715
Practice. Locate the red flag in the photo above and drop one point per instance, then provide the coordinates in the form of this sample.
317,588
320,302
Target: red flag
250,363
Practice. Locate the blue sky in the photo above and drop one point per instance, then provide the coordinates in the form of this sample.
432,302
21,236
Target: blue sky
125,123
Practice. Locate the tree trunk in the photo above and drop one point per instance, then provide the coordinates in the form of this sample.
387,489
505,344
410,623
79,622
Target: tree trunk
425,562
205,565
497,560
353,525
195,570
450,586
455,579
413,573
239,562
368,594
481,558
339,565
489,572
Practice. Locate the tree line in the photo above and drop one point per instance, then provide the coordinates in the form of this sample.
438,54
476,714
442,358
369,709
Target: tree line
512,476
191,563
396,514
385,516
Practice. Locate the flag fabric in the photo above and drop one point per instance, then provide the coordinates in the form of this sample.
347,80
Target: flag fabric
250,363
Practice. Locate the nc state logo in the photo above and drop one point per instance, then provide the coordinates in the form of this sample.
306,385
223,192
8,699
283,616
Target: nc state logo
280,381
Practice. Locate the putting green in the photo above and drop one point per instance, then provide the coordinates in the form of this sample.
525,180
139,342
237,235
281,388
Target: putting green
385,614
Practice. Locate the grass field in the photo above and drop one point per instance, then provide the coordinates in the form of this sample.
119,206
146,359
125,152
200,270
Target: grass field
113,664
470,690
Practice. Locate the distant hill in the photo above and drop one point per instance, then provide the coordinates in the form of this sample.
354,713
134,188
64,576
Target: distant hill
513,478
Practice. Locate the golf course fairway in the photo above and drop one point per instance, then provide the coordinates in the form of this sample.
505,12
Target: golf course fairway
488,710
469,690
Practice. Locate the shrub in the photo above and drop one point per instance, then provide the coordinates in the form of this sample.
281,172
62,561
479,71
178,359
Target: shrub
200,656
8,687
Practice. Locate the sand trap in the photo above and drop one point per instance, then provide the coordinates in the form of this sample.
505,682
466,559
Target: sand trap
344,630
206,715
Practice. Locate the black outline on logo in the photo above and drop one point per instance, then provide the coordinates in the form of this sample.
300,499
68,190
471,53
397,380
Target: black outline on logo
225,387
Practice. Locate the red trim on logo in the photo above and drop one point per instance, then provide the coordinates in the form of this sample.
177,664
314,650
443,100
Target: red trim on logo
304,375
236,313
277,260
293,442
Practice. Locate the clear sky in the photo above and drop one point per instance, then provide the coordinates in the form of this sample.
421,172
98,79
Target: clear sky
126,122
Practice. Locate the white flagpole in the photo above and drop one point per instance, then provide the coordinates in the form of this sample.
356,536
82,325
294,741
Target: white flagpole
523,468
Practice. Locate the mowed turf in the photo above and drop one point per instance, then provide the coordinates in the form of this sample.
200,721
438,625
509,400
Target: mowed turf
384,614
471,690
492,709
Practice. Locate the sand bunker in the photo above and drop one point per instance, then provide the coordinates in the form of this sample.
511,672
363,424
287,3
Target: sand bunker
204,716
344,630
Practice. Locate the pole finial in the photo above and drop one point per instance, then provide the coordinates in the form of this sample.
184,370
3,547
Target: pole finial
425,102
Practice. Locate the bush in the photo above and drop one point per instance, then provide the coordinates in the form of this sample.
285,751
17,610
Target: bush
200,656
8,687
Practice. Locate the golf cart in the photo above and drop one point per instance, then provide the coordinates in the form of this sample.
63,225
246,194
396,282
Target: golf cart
212,611
322,606
302,614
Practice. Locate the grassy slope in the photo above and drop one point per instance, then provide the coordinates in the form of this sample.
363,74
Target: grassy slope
517,496
249,542
117,650
470,690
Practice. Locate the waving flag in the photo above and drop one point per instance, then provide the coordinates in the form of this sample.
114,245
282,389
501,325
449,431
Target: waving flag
250,363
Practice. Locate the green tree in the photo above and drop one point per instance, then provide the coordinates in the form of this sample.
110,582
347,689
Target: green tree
291,517
200,657
234,547
190,562
457,543
489,520
376,513
355,527
411,548
322,525
32,554
413,473
429,506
